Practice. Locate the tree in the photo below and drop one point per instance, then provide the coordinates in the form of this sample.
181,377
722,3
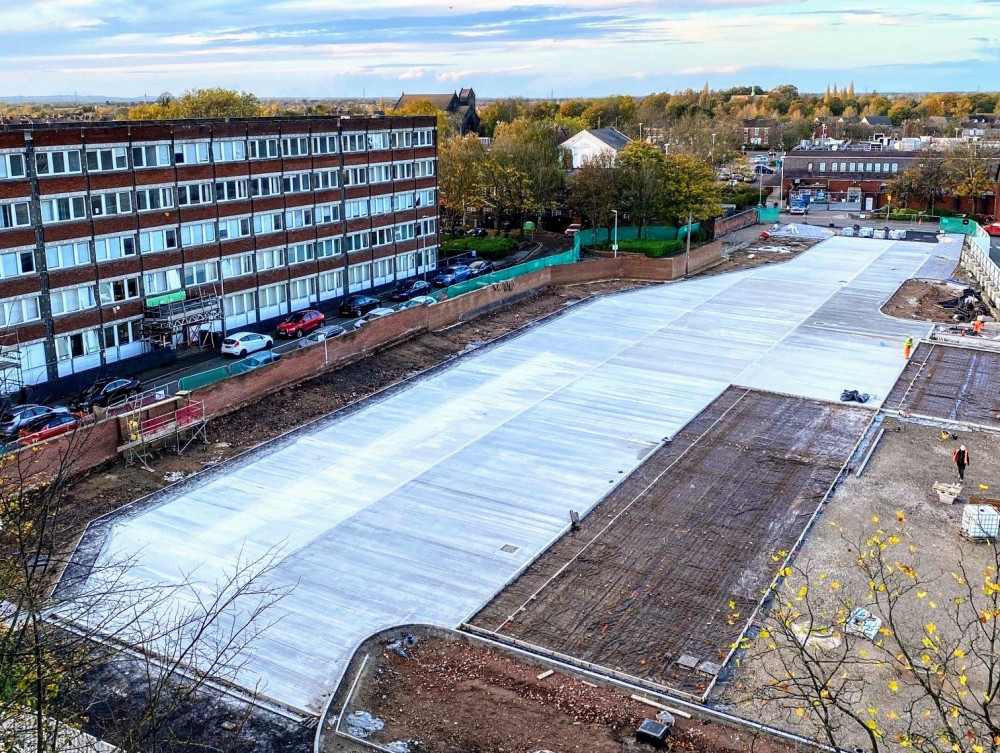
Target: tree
640,184
460,175
904,187
524,163
501,111
200,103
611,112
593,190
932,178
689,190
970,169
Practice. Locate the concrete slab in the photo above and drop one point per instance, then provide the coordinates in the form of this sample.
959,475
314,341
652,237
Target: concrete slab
400,512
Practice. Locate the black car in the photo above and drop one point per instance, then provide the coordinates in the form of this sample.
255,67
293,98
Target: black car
477,232
356,305
408,289
481,267
105,392
21,416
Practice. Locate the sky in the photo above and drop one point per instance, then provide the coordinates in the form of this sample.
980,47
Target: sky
380,48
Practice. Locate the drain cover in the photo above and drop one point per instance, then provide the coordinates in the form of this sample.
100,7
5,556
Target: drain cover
509,548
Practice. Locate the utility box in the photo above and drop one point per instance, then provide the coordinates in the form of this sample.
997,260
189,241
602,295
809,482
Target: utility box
980,521
652,732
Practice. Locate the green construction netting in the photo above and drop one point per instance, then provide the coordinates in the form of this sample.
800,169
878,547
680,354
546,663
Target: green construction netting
961,225
567,257
203,379
767,214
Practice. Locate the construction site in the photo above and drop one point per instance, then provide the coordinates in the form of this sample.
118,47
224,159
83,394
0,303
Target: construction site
614,493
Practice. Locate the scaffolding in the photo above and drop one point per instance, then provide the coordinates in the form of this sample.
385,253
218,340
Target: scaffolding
11,376
146,429
163,322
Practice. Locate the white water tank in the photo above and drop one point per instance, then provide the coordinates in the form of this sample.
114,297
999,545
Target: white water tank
980,521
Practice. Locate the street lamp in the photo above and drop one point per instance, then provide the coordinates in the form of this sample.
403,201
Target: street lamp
781,183
712,154
640,132
687,252
614,244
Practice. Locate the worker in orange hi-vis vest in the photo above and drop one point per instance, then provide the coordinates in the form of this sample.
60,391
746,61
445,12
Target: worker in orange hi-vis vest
961,458
907,346
977,327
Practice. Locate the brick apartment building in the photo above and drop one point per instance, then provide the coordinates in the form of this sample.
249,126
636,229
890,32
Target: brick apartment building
103,224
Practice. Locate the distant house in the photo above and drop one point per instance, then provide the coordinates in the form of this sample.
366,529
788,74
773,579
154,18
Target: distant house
876,121
757,132
461,105
587,145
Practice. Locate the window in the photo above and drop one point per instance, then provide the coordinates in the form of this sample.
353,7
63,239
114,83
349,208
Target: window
296,183
270,223
297,146
161,281
331,282
200,273
400,139
270,259
149,199
383,268
298,218
355,208
195,193
238,303
272,295
116,247
355,176
406,265
303,289
426,227
61,210
116,202
327,179
853,168
270,186
157,240
104,160
382,236
868,167
72,299
878,167
425,198
423,137
63,162
381,205
14,214
123,333
327,247
843,167
264,148
379,140
79,344
402,170
324,144
67,255
404,232
379,173
153,155
19,310
327,213
197,233
114,291
895,167
234,266
191,153
234,228
402,201
425,168
14,263
358,274
885,167
300,252
230,190
822,167
356,242
11,166
809,167
833,167
353,142
229,151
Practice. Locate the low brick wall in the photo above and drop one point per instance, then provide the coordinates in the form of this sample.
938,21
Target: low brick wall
726,225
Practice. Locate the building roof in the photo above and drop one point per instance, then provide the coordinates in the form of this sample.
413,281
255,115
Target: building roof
759,123
611,136
877,120
849,119
440,101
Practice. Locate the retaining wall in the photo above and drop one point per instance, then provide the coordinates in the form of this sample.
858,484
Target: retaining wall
726,225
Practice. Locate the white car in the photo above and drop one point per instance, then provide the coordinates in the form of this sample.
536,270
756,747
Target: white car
240,344
420,300
373,314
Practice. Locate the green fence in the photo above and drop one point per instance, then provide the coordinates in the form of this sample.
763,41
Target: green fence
961,225
203,379
650,233
566,257
767,214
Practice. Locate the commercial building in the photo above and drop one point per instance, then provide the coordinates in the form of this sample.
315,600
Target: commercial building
106,228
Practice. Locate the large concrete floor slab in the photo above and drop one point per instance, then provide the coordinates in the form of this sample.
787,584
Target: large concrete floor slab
403,511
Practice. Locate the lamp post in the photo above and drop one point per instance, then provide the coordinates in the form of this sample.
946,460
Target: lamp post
614,244
712,153
687,252
640,132
781,183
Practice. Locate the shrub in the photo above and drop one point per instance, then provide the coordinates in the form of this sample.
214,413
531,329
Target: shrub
652,248
491,248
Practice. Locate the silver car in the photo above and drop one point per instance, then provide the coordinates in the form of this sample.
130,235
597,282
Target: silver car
373,314
320,334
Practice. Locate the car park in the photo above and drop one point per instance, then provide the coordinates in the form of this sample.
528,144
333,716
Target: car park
321,334
19,416
481,267
408,289
242,344
48,428
451,275
105,392
301,323
254,361
376,313
573,229
356,305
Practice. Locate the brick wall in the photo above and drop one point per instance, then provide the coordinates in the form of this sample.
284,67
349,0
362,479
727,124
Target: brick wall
726,225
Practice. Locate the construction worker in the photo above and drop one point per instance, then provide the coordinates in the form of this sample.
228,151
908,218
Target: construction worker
907,346
977,326
961,458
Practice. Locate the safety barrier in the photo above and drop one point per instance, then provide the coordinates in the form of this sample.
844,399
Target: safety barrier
962,225
976,258
501,275
203,378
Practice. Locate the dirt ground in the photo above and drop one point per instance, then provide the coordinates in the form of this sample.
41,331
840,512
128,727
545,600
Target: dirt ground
108,488
760,252
917,299
457,695
675,559
895,495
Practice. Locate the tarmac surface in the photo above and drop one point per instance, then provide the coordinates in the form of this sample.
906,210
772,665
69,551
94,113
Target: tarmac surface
421,505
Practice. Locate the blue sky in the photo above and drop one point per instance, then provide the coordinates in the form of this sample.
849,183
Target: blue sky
333,48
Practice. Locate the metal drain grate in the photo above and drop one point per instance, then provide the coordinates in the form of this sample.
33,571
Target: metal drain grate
509,548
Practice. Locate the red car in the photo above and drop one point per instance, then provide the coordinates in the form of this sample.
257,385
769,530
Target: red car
51,427
993,228
301,323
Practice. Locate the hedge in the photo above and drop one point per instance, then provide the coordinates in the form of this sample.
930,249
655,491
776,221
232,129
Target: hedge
492,248
652,248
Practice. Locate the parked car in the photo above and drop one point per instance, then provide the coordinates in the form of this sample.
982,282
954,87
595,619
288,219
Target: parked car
301,323
451,275
48,427
420,300
19,416
993,228
573,229
254,361
481,267
377,313
105,392
321,334
407,289
242,344
356,305
477,232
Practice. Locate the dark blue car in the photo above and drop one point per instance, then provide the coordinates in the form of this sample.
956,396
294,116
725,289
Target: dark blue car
451,275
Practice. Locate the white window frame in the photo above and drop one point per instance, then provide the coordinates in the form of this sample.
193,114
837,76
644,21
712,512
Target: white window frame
106,159
12,166
151,155
52,209
15,214
67,255
71,300
111,247
51,162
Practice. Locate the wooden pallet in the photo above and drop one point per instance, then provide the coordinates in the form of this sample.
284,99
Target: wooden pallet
976,539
